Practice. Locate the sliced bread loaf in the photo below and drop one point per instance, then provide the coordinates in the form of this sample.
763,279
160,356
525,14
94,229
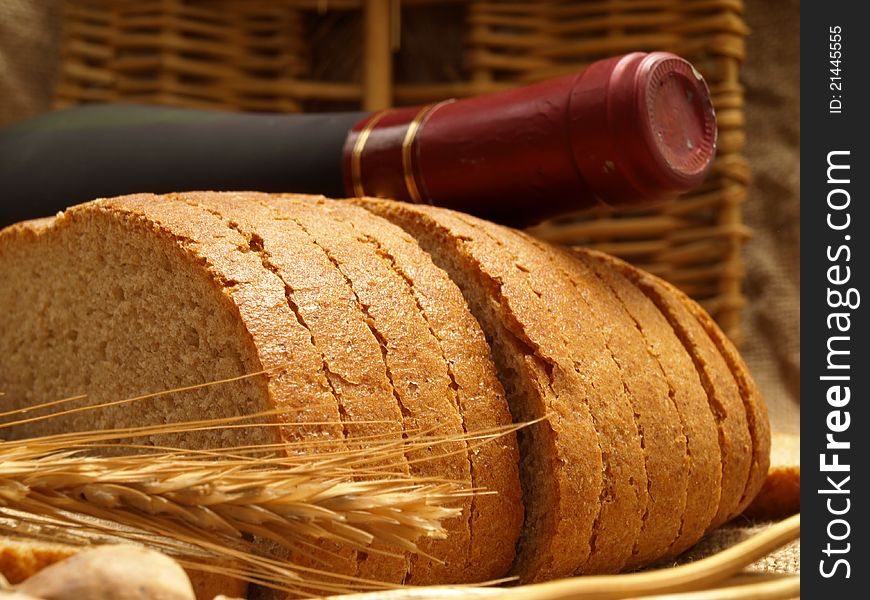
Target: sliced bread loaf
375,320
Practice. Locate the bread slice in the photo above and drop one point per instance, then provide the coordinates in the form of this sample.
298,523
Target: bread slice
494,517
742,447
704,463
110,302
564,476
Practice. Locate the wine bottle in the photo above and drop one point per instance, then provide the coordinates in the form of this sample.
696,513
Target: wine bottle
627,130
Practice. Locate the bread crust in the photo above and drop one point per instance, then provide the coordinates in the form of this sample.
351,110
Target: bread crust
415,367
561,510
494,518
735,440
704,469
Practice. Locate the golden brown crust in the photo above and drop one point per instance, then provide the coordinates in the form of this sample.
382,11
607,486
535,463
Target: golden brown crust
415,367
562,469
704,468
658,420
495,519
328,310
756,409
570,305
30,228
735,442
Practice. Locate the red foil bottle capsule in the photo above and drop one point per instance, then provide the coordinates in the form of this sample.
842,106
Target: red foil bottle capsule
628,130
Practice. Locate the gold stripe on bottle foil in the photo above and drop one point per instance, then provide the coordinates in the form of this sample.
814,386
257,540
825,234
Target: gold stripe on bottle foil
408,147
356,154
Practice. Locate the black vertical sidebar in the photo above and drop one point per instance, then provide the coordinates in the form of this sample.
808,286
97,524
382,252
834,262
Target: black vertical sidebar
835,340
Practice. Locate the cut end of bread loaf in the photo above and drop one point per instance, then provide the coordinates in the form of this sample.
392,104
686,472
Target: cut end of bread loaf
363,341
108,304
371,319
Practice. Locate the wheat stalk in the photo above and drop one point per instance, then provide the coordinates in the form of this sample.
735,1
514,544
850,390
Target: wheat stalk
201,505
232,497
210,503
716,577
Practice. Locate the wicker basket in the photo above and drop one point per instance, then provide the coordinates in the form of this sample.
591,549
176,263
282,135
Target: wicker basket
292,55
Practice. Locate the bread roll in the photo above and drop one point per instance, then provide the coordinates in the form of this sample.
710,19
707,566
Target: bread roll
22,558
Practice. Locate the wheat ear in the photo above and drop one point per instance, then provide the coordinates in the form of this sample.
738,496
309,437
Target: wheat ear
200,505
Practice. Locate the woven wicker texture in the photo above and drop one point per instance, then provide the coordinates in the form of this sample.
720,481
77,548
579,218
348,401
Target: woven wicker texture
224,54
285,55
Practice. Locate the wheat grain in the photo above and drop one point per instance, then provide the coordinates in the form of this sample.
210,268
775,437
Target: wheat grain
199,505
202,506
228,495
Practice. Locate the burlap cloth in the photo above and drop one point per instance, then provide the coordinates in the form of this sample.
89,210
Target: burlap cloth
28,63
29,52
